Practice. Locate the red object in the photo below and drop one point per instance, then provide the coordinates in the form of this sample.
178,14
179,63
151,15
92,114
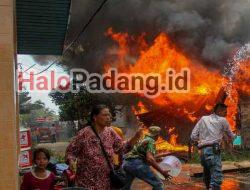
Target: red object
44,134
25,138
41,119
59,187
70,177
25,158
30,181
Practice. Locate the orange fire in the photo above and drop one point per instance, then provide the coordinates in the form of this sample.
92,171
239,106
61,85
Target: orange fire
139,109
163,145
134,55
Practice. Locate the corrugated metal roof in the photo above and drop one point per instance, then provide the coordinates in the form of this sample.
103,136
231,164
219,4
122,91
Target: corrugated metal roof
41,26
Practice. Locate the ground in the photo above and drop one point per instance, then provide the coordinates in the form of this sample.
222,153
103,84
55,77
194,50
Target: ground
232,181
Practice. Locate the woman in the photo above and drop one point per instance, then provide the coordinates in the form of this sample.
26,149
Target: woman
93,171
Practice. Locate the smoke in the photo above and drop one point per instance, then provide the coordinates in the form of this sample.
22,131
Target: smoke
216,49
44,59
208,31
205,30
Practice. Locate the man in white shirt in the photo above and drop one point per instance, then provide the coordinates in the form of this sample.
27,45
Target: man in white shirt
209,132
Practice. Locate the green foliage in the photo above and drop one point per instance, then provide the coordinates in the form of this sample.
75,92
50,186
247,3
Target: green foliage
59,158
77,106
240,156
25,105
30,111
24,97
226,156
195,158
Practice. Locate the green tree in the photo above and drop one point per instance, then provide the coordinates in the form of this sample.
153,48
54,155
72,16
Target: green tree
29,111
77,106
25,104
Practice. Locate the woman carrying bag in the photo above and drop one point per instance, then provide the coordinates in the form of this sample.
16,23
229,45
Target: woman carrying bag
93,148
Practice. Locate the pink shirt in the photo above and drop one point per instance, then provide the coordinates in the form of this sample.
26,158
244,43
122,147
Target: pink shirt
93,171
32,182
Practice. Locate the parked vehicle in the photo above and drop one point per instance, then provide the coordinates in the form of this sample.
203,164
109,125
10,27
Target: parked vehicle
41,132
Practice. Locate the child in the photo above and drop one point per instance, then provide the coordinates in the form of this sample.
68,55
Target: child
39,178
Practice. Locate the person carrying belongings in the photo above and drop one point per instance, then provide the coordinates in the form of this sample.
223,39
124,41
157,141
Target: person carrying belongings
209,132
137,162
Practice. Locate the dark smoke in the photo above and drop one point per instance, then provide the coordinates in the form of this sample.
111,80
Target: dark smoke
208,31
45,59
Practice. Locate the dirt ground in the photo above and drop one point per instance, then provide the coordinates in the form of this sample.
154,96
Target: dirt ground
232,181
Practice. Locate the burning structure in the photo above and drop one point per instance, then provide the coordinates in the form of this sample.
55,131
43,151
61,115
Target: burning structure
245,120
177,113
196,34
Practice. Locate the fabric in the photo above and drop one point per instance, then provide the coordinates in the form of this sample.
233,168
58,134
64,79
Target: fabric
116,157
92,168
212,168
210,129
31,182
140,149
118,131
237,141
53,130
53,138
70,177
154,130
137,168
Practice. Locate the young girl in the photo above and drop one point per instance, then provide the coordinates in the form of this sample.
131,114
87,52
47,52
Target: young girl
39,178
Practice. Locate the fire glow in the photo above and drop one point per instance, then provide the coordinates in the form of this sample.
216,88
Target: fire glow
135,55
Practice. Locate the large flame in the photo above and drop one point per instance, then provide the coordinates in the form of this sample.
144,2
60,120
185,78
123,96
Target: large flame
163,145
134,55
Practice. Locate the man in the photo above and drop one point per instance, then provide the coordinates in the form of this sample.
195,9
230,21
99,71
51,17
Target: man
53,133
37,133
138,161
209,132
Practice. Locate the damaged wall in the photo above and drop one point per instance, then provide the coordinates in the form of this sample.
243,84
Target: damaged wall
245,121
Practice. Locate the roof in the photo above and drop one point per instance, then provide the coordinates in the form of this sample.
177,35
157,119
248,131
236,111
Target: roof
41,26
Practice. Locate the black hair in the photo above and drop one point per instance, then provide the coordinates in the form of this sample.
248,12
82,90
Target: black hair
38,150
96,110
219,106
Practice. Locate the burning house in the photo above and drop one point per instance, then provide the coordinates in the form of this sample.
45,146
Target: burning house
158,35
244,105
177,113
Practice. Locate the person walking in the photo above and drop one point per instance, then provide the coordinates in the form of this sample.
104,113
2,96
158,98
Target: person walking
37,133
92,170
137,162
53,133
208,133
